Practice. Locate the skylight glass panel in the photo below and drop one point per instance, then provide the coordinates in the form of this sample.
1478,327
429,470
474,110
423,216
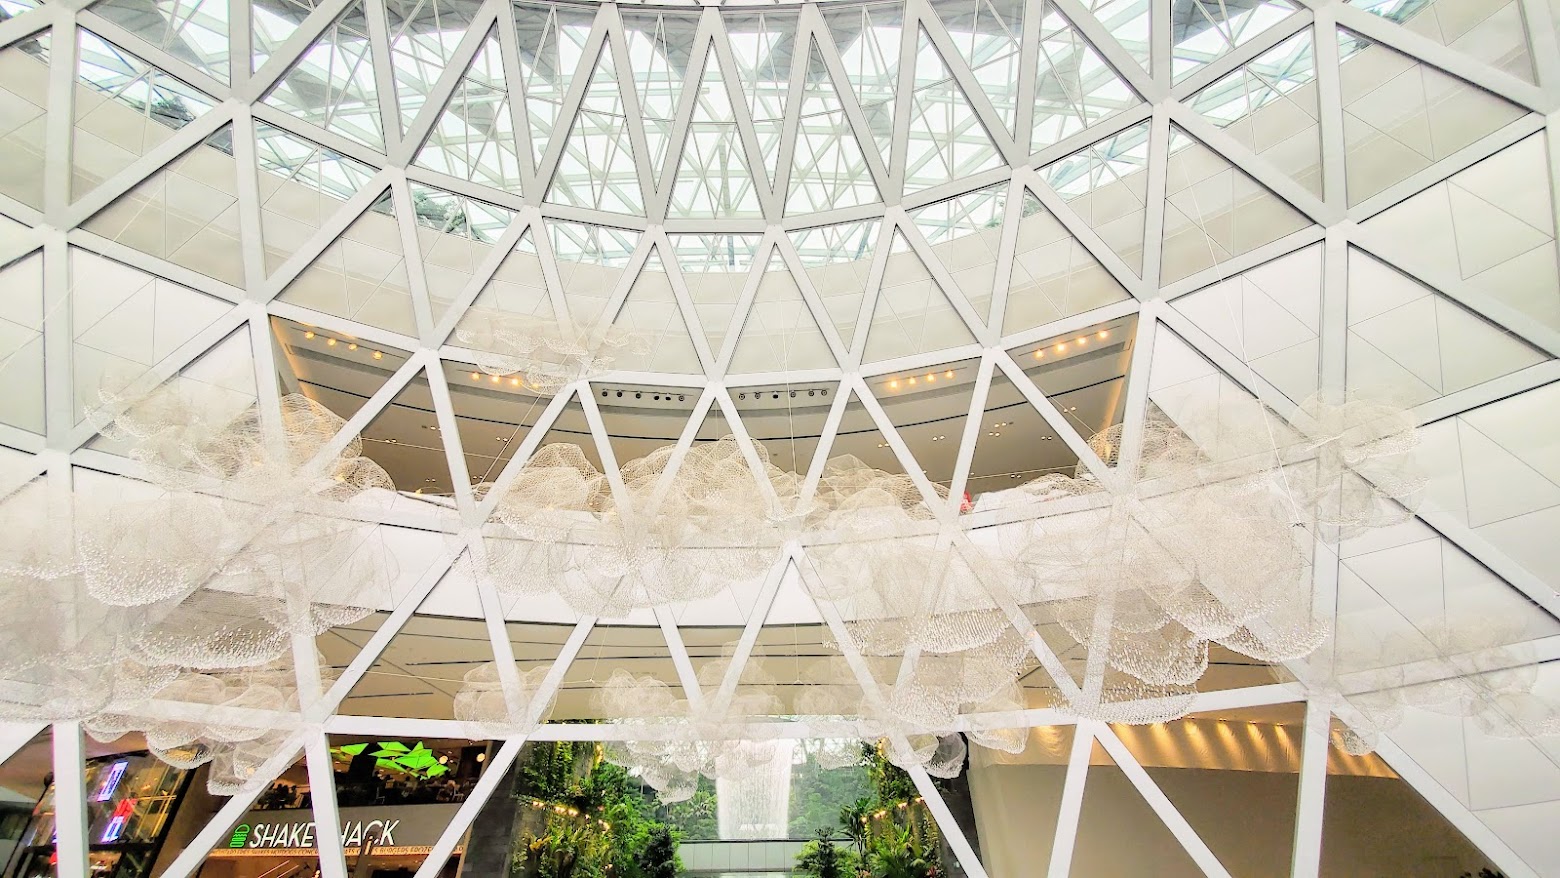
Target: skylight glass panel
593,245
271,22
333,86
1202,31
713,180
128,81
124,109
551,40
474,138
1106,184
762,45
597,168
302,185
1074,87
947,140
987,33
867,38
828,170
1128,21
1270,106
423,37
195,31
660,48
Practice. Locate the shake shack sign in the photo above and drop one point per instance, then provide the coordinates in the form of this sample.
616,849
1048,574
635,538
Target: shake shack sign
401,826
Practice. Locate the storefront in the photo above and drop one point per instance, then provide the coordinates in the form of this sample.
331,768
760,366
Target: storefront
396,839
131,799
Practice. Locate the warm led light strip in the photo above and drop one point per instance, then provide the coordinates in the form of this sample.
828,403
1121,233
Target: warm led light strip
389,851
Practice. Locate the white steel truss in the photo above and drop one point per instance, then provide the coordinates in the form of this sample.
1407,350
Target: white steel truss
674,142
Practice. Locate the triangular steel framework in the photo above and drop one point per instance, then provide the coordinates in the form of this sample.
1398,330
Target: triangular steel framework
54,228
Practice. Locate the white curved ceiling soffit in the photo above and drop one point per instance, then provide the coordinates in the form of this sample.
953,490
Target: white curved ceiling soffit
892,229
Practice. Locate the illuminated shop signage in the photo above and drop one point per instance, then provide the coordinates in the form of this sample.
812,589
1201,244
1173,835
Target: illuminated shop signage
111,778
300,834
396,826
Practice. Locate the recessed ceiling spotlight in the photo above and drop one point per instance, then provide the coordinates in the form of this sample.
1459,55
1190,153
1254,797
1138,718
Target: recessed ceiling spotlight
682,397
930,378
620,394
1039,353
330,342
1081,340
893,385
352,346
309,334
379,355
1061,347
1104,334
812,393
741,396
639,395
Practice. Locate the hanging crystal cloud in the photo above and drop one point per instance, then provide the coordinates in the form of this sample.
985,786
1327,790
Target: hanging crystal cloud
546,354
1205,537
193,589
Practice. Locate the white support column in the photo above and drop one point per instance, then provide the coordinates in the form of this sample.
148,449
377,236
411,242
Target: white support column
1154,214
498,766
70,800
377,642
190,860
1183,831
750,631
1071,807
1329,94
322,794
952,832
680,660
971,436
1307,862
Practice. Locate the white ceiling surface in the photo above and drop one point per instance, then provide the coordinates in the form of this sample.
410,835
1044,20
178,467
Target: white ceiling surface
1268,206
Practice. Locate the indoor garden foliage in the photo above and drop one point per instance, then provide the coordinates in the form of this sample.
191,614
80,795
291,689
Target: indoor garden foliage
891,833
582,817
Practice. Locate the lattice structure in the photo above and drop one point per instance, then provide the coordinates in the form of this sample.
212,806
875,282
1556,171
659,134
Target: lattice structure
1284,206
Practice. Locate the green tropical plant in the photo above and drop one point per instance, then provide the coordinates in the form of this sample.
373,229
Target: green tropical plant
905,852
658,859
416,760
822,858
853,819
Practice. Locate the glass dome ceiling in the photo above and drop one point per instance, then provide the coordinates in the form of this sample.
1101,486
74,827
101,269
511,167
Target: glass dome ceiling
954,238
